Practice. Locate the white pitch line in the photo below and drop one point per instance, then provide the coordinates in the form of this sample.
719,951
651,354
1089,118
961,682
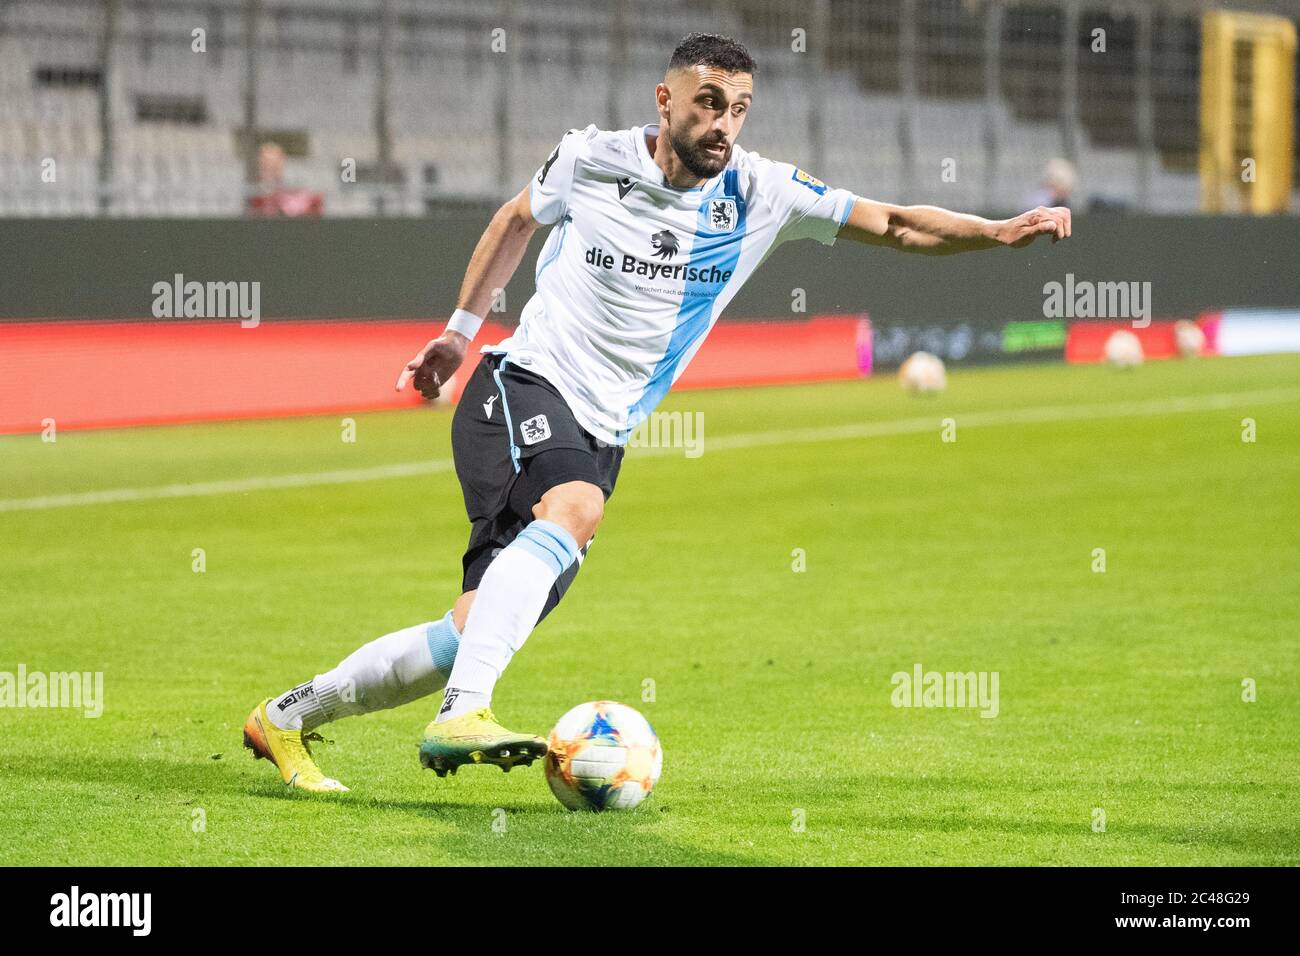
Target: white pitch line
1042,414
232,487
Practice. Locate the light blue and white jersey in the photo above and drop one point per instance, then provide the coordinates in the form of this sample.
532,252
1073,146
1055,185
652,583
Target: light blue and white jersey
635,272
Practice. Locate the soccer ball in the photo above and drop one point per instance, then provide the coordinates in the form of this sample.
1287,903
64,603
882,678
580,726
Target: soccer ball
603,756
1123,349
1189,338
922,373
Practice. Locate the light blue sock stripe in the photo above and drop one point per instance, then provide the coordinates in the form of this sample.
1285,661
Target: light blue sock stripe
443,639
549,542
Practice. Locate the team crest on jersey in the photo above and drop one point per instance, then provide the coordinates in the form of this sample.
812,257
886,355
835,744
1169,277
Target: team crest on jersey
722,215
665,244
812,182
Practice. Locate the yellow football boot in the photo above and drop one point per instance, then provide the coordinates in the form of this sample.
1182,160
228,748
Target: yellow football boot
289,751
476,737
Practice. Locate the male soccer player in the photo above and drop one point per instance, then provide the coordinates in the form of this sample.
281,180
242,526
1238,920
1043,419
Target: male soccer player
655,230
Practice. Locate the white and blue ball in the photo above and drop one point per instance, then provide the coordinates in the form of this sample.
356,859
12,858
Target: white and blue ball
603,756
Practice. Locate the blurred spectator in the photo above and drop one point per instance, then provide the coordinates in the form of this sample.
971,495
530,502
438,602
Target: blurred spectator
1057,186
270,165
271,197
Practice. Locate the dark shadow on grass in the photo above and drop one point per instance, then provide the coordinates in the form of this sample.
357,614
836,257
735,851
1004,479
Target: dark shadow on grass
147,773
436,806
555,836
569,838
631,837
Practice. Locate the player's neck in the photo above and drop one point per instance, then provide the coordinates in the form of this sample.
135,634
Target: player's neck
665,157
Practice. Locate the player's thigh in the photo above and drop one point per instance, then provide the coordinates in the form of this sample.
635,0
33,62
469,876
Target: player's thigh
516,441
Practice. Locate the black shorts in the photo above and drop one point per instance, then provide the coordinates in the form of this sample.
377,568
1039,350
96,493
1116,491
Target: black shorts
513,438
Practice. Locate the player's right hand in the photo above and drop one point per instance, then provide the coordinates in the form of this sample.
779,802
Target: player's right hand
1028,226
435,364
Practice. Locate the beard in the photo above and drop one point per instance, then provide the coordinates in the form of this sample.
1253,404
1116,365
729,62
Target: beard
694,156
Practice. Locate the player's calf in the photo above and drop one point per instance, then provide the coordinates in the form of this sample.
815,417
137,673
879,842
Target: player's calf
390,671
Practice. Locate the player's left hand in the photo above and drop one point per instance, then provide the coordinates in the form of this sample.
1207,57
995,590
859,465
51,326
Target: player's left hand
435,364
1028,226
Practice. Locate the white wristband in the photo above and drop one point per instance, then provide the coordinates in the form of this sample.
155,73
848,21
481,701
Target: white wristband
466,323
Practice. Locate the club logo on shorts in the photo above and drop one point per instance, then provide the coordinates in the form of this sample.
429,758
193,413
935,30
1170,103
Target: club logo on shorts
535,429
665,244
722,215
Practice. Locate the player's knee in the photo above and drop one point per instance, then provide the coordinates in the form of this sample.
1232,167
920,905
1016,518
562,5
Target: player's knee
576,506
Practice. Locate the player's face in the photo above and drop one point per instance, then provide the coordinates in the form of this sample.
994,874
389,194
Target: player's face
703,113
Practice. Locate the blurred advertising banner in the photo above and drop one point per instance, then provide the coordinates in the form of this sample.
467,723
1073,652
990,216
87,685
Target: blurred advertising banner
113,374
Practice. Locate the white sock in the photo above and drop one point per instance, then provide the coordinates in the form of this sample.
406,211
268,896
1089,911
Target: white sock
388,672
505,610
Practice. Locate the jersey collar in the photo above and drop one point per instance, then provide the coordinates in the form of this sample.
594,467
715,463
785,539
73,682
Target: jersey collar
654,175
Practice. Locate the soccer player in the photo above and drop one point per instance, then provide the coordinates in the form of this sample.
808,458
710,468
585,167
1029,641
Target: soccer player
655,229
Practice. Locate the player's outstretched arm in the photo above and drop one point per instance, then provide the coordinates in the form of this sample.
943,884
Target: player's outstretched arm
930,230
496,257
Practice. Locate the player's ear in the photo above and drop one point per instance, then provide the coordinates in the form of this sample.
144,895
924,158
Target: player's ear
663,96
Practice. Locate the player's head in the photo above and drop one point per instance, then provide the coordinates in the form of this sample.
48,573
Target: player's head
703,100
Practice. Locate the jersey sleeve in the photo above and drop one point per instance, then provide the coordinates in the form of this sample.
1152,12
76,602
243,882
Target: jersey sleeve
806,206
548,194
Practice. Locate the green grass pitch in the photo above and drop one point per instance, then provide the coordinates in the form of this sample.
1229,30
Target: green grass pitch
1119,692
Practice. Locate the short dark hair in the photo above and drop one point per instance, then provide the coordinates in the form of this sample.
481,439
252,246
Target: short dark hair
709,49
